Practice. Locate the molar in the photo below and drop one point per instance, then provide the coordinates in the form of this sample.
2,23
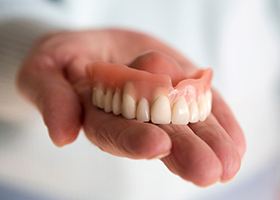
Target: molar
143,110
180,112
99,96
161,111
116,102
94,96
108,100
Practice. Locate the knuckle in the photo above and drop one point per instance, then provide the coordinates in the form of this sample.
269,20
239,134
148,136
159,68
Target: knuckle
153,57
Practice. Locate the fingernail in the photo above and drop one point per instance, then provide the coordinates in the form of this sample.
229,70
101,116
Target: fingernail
160,156
61,140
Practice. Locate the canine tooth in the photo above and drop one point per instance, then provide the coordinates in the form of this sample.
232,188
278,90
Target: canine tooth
202,107
108,100
116,102
161,111
180,112
143,110
128,102
128,106
194,112
99,96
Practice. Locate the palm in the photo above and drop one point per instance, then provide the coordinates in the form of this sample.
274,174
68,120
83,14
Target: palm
202,153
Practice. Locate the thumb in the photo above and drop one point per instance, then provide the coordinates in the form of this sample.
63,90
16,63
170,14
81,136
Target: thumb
42,81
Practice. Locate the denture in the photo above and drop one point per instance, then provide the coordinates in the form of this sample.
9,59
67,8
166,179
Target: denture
149,96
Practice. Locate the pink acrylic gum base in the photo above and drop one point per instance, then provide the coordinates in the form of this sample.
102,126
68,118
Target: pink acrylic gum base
149,85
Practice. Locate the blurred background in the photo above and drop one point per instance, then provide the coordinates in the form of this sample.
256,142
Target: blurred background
239,39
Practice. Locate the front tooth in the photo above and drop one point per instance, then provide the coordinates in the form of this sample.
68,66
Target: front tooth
208,96
202,106
108,100
99,96
161,111
116,102
194,112
128,102
180,112
143,110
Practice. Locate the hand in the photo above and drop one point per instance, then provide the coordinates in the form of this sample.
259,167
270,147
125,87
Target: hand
53,78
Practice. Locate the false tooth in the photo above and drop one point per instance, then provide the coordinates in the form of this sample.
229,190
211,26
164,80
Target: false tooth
161,111
128,106
93,96
99,96
202,107
108,100
180,112
143,110
194,112
208,96
116,102
128,102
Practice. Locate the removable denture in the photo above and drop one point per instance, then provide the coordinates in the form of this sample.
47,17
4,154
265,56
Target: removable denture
151,97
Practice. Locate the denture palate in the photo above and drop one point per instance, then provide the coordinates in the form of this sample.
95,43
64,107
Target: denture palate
149,97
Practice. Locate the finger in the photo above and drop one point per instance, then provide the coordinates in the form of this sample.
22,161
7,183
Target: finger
226,118
217,138
157,62
143,43
44,84
122,137
191,158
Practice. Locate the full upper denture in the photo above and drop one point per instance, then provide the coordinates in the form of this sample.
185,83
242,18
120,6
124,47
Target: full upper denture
146,95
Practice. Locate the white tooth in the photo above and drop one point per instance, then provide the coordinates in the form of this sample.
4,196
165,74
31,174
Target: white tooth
194,112
128,106
116,102
128,102
108,100
208,96
99,96
207,106
180,112
94,96
202,106
143,110
161,111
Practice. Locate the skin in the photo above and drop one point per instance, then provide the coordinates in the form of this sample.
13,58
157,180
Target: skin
54,78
